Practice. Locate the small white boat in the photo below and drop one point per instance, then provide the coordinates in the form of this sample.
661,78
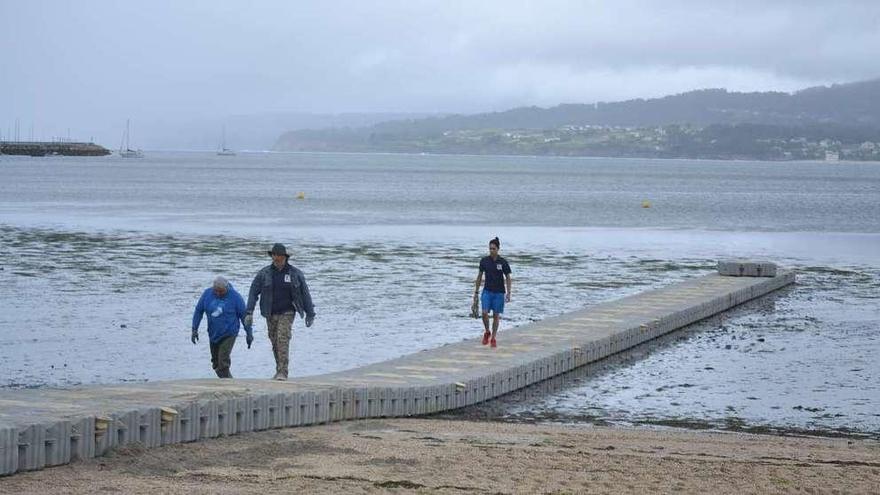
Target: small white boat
224,151
125,150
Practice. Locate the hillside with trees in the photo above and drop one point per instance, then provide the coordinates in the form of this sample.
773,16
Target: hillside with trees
842,119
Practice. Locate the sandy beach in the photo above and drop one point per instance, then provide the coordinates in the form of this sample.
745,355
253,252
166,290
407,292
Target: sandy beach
442,456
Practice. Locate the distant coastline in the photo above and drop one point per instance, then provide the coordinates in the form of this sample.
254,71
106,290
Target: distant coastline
717,142
824,123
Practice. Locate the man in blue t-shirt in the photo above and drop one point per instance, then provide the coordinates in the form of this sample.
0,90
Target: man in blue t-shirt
494,295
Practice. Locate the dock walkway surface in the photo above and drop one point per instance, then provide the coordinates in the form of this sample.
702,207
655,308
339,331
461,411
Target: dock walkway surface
50,427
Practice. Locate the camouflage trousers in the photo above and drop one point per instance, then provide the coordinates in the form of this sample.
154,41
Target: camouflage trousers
280,333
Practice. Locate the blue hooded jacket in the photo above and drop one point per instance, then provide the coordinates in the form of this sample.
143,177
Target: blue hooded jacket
224,313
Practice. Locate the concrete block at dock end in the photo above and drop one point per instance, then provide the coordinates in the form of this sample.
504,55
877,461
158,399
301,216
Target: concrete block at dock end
8,450
746,268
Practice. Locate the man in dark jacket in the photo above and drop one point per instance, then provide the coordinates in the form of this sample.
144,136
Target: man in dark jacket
283,292
225,308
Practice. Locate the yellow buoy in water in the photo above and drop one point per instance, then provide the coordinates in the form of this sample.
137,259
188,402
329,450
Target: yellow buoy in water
301,195
646,204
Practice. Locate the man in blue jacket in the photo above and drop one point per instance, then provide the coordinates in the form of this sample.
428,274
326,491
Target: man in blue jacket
225,308
283,292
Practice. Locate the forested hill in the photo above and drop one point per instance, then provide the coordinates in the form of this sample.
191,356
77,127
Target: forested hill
842,121
853,104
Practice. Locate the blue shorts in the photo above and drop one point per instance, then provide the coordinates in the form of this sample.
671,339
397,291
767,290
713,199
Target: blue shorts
492,301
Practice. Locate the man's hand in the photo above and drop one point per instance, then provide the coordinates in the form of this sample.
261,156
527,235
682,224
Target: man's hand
309,320
475,306
250,337
248,320
507,297
195,336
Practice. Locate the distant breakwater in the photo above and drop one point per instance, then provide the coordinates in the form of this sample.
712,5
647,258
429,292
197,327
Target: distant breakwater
38,148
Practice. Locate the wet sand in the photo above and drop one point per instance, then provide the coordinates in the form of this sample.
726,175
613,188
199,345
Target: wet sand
442,456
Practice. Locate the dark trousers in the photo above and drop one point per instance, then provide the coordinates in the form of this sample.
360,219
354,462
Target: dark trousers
221,356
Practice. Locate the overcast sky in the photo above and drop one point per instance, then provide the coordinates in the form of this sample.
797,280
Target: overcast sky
85,63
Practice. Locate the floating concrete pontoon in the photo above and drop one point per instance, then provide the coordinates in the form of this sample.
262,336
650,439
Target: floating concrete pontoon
49,427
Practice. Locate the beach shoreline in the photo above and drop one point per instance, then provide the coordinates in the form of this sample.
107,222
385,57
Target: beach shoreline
455,456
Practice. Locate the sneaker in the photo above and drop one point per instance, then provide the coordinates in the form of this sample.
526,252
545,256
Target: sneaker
486,338
280,377
492,343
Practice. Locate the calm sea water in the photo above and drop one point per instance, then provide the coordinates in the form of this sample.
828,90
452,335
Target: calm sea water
102,260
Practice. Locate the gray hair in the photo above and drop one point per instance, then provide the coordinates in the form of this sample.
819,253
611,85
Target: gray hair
220,282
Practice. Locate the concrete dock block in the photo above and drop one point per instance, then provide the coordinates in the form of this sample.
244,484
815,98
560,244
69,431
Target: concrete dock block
149,427
362,403
276,410
104,434
335,404
439,392
209,419
746,268
430,399
190,418
260,412
126,426
419,397
374,401
307,406
292,409
322,406
226,416
445,397
349,404
398,402
509,381
387,401
170,426
82,438
242,410
31,447
8,450
57,443
408,400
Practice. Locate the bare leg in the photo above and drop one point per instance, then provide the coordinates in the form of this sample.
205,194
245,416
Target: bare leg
495,319
486,321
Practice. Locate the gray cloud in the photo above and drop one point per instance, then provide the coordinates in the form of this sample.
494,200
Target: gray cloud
92,64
